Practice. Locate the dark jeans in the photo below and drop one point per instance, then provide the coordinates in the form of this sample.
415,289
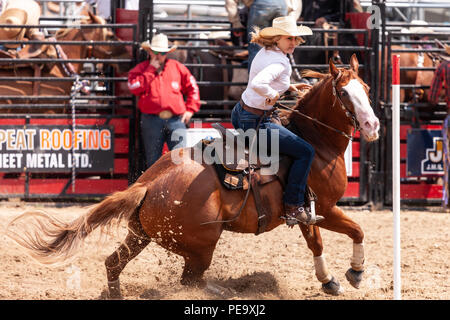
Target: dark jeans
155,131
289,144
261,14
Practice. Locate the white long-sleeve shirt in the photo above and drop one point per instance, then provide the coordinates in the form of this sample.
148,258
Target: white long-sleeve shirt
270,74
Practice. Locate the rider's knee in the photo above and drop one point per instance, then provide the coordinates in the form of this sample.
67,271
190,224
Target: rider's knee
309,150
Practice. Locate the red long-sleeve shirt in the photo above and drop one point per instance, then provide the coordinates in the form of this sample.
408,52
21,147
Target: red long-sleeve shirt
164,91
441,78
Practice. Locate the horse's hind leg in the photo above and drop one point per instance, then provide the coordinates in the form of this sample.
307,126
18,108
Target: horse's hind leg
195,265
133,244
313,239
337,221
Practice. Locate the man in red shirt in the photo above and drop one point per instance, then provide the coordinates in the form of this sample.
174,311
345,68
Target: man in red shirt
161,85
441,80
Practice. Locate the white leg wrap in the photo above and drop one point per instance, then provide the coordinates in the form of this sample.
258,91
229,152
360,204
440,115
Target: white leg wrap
357,261
322,273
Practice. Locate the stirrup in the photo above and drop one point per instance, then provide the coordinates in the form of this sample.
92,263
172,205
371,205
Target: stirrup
313,218
309,217
292,221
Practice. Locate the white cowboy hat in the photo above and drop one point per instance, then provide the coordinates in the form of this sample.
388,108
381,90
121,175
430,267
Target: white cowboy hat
160,43
285,26
421,27
18,12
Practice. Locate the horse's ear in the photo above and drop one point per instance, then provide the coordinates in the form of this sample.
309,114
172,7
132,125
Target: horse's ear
354,64
95,19
333,70
91,15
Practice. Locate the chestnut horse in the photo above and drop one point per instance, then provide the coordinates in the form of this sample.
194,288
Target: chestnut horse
26,88
170,203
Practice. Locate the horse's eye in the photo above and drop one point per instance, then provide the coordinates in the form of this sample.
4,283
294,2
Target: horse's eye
344,93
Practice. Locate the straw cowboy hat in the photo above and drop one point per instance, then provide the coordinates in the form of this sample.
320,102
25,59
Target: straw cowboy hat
160,43
18,12
285,26
420,27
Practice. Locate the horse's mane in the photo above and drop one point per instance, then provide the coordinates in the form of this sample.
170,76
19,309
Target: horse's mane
314,74
311,92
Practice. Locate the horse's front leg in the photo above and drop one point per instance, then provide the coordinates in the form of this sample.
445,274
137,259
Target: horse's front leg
313,238
337,221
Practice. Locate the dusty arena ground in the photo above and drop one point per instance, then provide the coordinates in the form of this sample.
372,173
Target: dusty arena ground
274,265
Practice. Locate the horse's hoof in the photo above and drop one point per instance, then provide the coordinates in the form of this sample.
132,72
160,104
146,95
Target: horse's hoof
114,290
114,296
219,291
354,277
332,287
193,282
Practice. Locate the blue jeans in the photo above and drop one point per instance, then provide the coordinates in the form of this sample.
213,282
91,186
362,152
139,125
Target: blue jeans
155,131
261,14
290,144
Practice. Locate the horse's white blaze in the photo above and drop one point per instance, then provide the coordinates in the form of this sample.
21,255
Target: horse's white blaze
369,123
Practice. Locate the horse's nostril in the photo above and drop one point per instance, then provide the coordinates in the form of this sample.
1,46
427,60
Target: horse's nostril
377,125
367,124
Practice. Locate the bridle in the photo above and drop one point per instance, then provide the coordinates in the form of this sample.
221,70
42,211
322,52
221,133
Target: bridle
348,112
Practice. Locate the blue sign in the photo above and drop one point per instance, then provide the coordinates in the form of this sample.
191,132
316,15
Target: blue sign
425,153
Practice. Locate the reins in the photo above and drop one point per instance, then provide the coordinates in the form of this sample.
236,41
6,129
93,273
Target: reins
349,137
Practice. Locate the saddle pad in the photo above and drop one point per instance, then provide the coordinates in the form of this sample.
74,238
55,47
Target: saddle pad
231,180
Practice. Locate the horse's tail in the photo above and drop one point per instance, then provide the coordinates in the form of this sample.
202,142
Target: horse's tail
51,241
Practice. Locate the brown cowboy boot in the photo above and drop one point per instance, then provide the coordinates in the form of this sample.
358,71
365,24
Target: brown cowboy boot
296,214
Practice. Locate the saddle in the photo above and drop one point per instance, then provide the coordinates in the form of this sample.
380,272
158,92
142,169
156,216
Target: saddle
245,171
31,51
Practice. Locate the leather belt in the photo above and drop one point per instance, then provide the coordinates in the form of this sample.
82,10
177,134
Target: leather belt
258,112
